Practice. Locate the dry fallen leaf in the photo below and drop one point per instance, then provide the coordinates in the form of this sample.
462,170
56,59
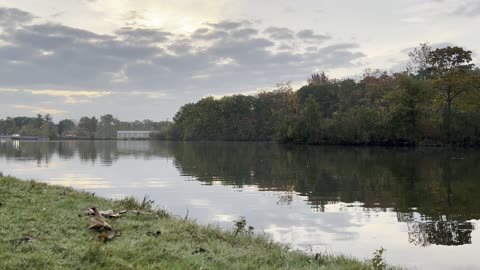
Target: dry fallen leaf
97,222
107,213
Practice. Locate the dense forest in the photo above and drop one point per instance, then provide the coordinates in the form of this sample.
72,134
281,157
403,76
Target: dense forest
86,127
436,100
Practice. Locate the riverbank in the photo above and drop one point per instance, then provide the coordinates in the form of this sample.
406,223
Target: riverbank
45,227
387,144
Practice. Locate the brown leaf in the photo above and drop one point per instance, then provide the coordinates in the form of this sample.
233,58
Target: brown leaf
98,223
107,213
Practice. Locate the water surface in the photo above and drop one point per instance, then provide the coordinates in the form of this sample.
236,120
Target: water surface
423,206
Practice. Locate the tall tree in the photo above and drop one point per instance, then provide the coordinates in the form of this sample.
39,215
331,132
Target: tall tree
65,126
89,124
419,60
410,102
451,71
318,79
39,121
449,68
106,126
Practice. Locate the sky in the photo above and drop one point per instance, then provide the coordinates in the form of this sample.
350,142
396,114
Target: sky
144,59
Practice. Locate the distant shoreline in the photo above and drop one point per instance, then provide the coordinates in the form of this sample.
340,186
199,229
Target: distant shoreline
353,144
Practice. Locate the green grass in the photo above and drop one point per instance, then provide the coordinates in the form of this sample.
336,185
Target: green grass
54,217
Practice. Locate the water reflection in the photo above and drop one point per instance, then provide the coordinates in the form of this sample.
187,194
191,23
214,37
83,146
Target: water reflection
433,192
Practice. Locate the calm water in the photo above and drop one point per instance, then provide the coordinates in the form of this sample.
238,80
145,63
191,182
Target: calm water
423,206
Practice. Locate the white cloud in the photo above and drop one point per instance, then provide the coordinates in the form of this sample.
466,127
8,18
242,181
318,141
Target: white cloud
73,96
37,109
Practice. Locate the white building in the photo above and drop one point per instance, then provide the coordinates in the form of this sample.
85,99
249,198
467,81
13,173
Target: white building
133,134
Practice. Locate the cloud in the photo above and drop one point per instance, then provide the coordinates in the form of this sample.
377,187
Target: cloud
143,35
289,9
72,96
150,95
279,33
309,35
62,63
36,109
133,18
244,33
12,17
66,93
434,46
9,90
230,25
209,34
468,9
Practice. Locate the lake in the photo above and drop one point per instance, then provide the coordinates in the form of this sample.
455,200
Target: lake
422,206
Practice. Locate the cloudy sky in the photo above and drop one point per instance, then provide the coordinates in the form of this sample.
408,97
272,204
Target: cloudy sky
140,59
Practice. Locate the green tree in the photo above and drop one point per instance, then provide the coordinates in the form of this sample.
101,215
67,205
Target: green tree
418,63
65,126
451,71
411,101
2,127
89,125
29,130
106,127
323,91
308,124
10,126
48,130
238,117
39,121
318,79
270,110
450,68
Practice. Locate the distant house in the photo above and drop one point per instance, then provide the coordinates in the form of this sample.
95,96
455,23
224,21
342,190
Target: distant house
133,134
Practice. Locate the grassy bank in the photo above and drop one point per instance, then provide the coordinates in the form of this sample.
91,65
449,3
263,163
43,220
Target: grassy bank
45,227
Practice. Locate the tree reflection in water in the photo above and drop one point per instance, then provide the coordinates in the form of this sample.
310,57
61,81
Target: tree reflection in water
434,191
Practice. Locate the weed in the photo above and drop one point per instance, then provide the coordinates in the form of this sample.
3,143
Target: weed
378,262
147,203
241,226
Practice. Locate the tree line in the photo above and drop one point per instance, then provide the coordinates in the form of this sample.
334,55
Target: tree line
435,100
87,127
